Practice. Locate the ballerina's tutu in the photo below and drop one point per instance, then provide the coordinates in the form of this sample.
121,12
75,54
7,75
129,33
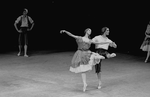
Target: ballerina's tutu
146,45
93,60
146,48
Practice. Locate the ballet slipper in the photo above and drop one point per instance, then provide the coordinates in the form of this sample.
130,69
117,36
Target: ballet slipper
111,55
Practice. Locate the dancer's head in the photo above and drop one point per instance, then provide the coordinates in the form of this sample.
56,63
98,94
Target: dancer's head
25,11
105,30
88,31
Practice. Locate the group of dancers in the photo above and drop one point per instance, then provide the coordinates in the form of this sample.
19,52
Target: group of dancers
84,59
22,25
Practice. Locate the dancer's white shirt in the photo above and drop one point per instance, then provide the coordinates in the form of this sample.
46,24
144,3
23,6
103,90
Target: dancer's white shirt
24,20
101,39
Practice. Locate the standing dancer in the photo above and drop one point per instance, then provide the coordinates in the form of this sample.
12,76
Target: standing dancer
146,43
23,29
102,46
83,59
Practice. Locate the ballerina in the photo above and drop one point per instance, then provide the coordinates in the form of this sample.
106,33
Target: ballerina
83,59
146,43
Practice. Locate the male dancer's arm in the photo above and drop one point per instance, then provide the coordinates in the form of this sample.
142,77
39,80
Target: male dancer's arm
112,44
101,43
32,22
95,41
32,26
15,24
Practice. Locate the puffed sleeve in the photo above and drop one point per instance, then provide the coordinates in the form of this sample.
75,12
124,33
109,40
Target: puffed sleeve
30,19
18,19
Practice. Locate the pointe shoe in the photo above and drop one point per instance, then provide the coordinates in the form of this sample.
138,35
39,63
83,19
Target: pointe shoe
84,88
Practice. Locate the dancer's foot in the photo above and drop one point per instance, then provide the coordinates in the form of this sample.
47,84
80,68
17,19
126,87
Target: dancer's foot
102,57
99,85
26,55
145,61
84,87
19,54
111,55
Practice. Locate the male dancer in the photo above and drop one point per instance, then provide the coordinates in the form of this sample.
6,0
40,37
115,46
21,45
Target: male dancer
102,46
23,29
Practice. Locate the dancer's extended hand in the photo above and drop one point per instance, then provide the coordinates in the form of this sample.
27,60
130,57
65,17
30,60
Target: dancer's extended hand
19,31
113,44
62,31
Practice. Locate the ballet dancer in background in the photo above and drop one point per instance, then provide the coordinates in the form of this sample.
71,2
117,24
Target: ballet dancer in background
103,42
146,43
83,59
23,29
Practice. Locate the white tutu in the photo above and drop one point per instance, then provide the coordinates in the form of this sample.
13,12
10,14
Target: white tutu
94,59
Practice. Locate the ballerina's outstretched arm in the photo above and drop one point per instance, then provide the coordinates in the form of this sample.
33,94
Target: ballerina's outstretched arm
70,34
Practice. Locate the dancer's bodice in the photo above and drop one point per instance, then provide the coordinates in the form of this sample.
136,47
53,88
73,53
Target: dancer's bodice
82,45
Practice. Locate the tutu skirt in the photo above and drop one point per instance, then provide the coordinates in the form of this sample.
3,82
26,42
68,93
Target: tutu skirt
83,61
146,45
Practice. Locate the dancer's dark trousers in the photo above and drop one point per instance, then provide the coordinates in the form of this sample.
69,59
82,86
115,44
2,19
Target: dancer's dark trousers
23,39
104,53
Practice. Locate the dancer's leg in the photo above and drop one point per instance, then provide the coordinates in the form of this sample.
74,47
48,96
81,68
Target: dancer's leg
99,80
98,71
25,51
25,46
148,54
19,40
84,81
19,53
